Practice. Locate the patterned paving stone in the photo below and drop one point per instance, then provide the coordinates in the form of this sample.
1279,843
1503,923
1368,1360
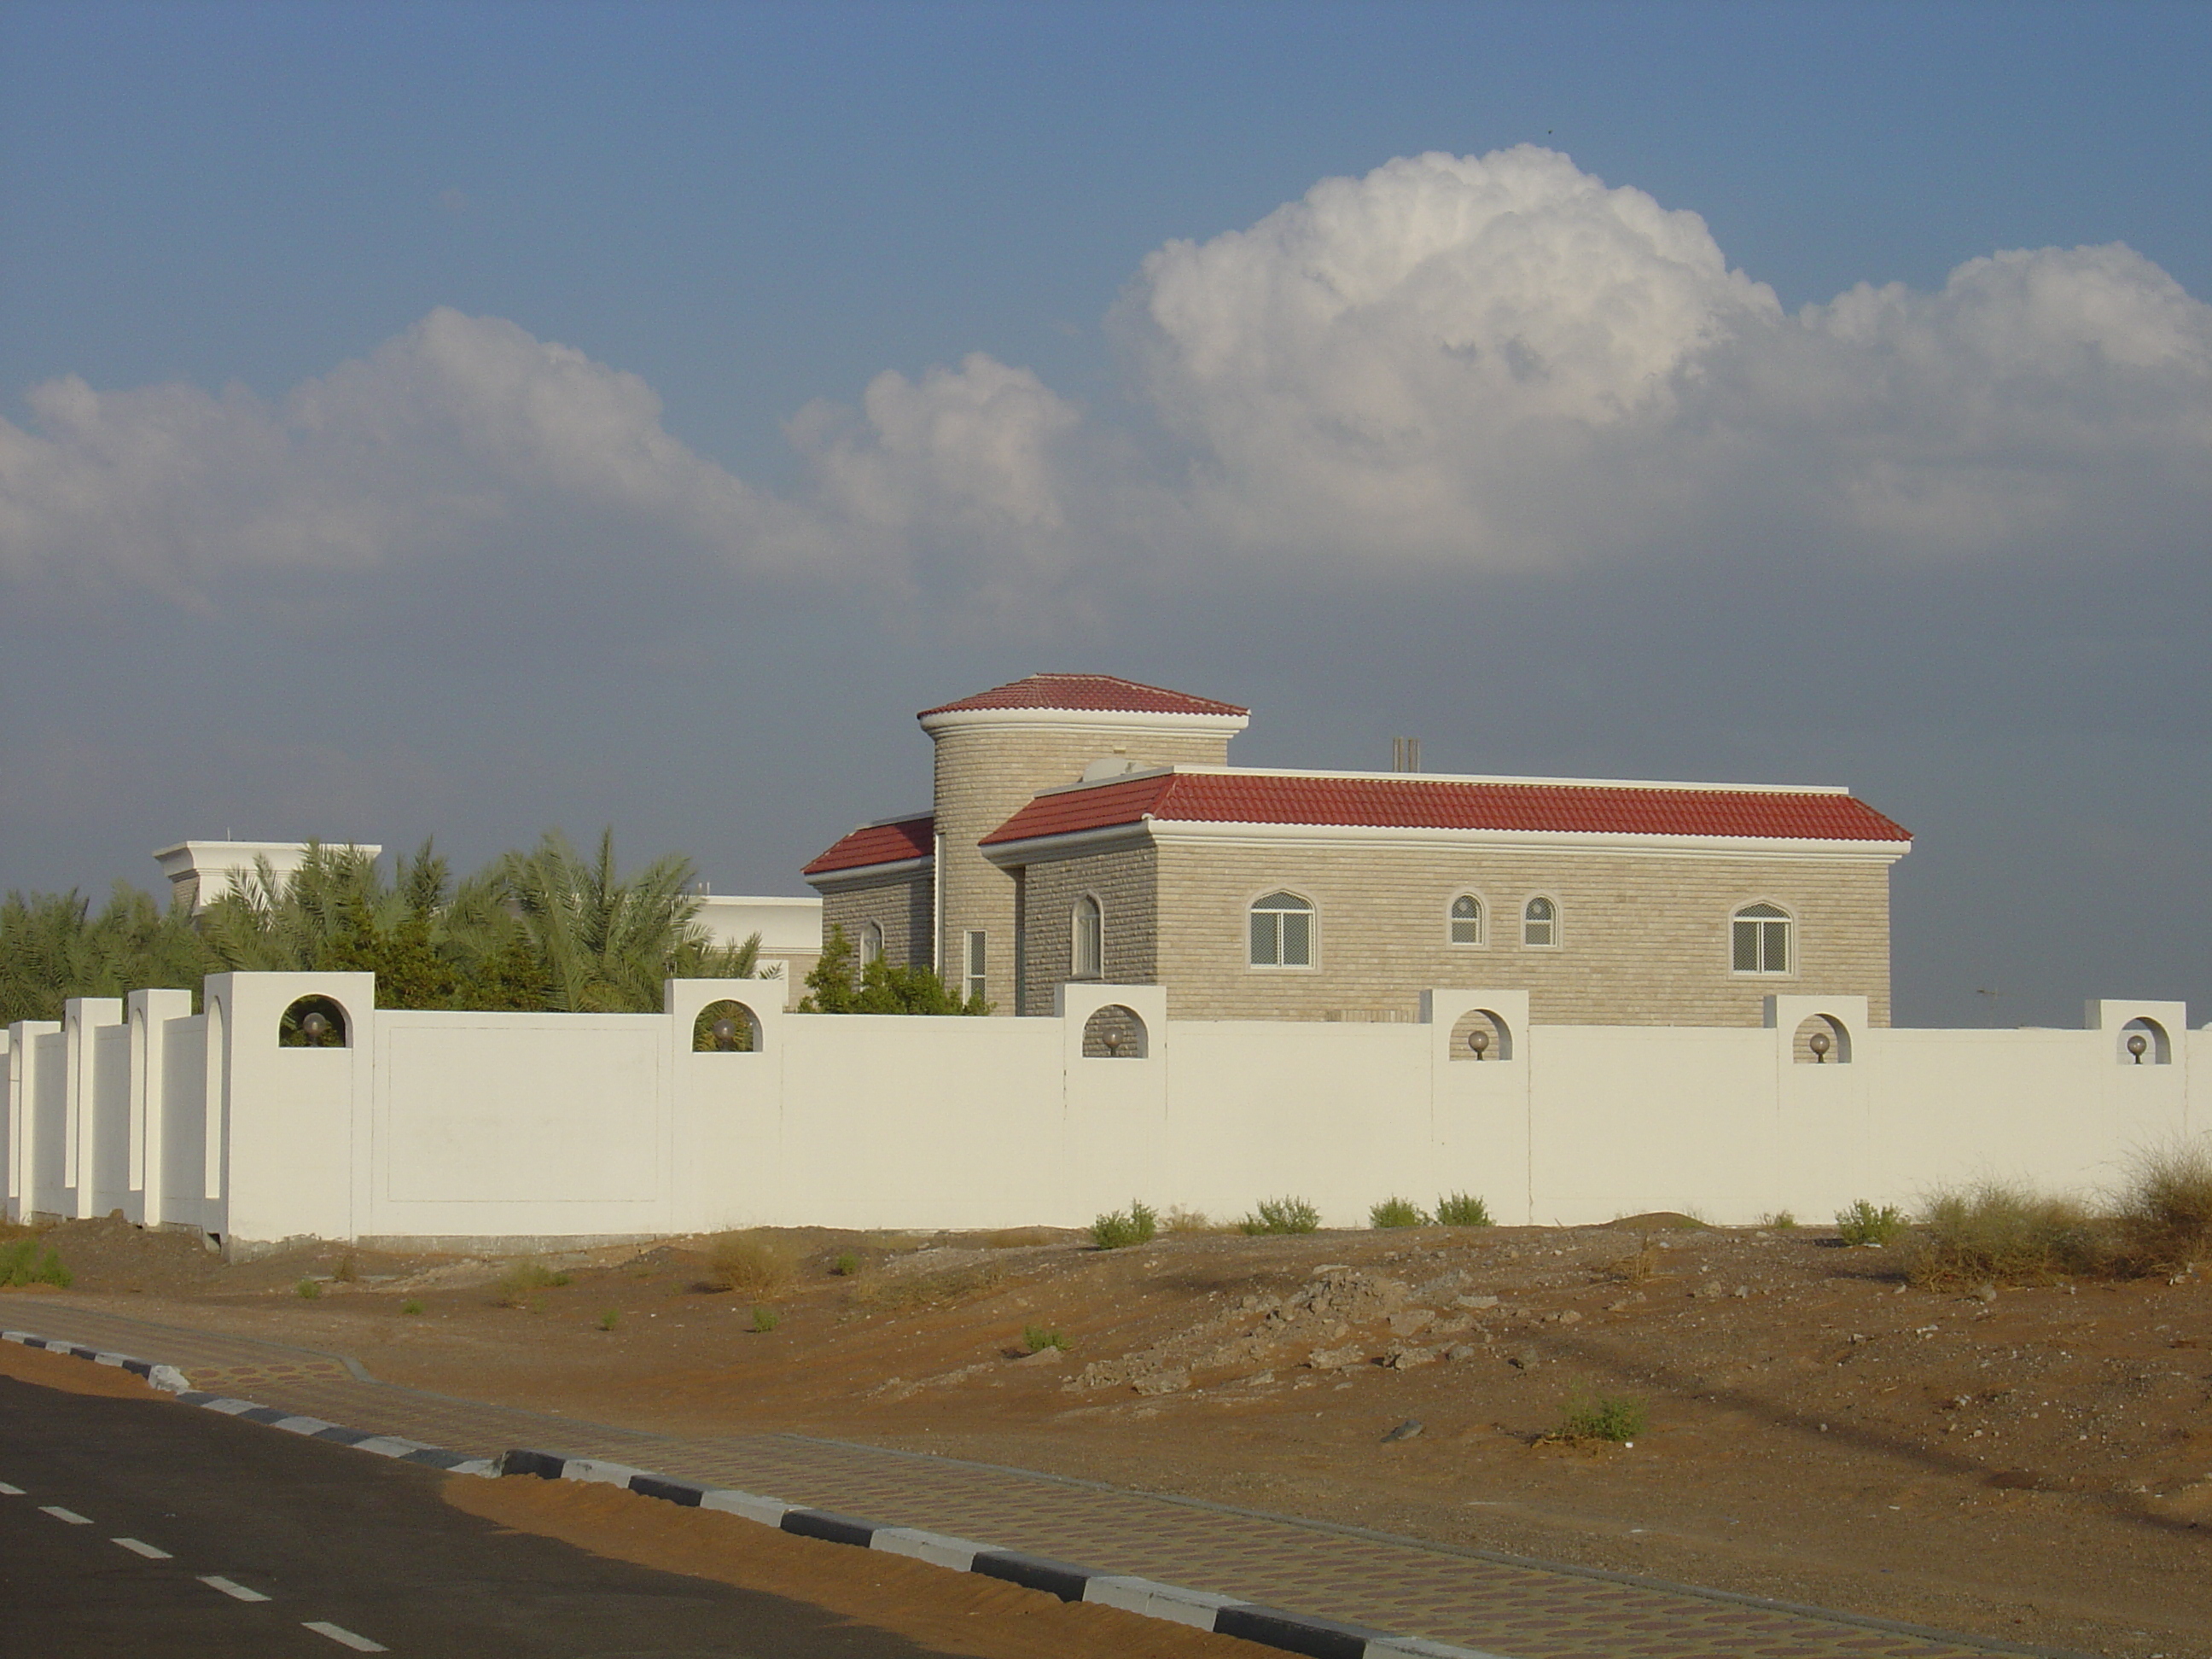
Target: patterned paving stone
1521,1610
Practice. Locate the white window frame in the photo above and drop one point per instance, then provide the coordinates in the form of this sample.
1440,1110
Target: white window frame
1312,914
1088,908
1551,921
1762,917
871,942
1453,921
976,959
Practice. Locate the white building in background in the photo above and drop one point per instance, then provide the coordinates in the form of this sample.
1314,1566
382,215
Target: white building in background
202,872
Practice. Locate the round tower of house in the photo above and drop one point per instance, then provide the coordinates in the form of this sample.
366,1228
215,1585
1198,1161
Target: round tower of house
995,752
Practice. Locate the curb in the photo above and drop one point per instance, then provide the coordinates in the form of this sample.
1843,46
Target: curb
1225,1615
170,1379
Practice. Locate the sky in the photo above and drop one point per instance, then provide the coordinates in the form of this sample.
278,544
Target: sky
469,419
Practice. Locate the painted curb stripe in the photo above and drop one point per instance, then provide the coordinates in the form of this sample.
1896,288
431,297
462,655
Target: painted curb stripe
172,1381
1292,1632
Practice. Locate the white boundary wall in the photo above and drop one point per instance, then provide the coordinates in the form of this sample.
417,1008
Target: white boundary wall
487,1130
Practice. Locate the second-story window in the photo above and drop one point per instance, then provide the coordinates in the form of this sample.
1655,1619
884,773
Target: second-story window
1282,932
1539,923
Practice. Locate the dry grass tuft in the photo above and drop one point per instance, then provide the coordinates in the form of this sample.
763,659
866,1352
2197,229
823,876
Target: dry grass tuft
1180,1220
2164,1215
525,1276
750,1263
1014,1238
2002,1232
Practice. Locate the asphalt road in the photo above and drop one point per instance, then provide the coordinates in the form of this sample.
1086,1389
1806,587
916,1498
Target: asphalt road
340,1552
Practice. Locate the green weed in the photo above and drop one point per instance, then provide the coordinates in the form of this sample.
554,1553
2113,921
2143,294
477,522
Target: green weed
1617,1418
1135,1225
846,1265
307,1291
1868,1224
1282,1215
1037,1337
766,1319
410,1306
1463,1210
1998,1232
608,1320
1397,1213
22,1264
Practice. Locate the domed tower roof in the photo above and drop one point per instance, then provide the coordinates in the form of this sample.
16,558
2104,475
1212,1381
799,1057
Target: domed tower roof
1084,694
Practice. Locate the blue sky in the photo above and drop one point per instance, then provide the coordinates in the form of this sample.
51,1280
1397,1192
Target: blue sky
1945,543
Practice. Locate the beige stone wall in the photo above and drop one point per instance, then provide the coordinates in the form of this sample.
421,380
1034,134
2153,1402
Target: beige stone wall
1125,881
985,774
900,905
1644,939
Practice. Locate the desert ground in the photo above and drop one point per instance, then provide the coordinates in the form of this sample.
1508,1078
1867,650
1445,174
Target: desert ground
2026,1464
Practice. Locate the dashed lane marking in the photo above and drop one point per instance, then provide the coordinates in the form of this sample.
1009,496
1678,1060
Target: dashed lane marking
146,1550
344,1637
61,1514
237,1592
7,1490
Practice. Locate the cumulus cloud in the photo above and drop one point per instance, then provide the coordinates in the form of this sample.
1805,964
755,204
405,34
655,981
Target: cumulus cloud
1465,364
459,432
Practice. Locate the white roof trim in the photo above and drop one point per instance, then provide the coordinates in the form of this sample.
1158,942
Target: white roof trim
1080,720
1481,777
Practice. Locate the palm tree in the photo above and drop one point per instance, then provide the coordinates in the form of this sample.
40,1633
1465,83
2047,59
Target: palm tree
53,948
607,941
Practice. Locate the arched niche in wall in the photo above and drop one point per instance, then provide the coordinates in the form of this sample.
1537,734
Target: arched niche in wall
727,1027
314,1021
1821,1040
2144,1041
1115,1032
1481,1034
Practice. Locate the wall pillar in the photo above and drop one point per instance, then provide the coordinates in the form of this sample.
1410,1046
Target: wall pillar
149,1013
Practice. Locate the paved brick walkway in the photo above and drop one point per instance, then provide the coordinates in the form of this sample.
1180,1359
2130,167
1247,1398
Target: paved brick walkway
1519,1610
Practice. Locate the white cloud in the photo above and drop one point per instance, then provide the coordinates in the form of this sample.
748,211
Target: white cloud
458,432
1463,364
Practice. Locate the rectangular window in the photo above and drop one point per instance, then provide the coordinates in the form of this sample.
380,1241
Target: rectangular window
1266,952
976,963
1747,947
1297,950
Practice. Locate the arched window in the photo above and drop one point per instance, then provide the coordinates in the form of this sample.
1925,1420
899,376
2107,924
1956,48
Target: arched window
1282,932
871,942
1466,920
1539,923
1087,952
1760,939
314,1023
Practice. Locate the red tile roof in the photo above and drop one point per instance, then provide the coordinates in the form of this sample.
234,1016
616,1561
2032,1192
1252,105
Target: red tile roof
1413,803
1089,692
877,843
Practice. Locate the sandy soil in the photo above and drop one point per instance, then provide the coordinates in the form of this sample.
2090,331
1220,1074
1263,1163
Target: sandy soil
2029,1465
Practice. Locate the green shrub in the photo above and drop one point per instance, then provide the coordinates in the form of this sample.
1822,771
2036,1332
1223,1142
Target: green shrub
1617,1418
1866,1224
1282,1215
1037,1337
608,1320
766,1319
1135,1225
1397,1213
410,1306
1999,1231
846,1265
2165,1214
307,1291
1463,1210
753,1264
22,1264
1781,1221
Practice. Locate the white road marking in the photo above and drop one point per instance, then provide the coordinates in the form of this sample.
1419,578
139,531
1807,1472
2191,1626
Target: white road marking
146,1550
7,1490
61,1514
344,1637
236,1592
